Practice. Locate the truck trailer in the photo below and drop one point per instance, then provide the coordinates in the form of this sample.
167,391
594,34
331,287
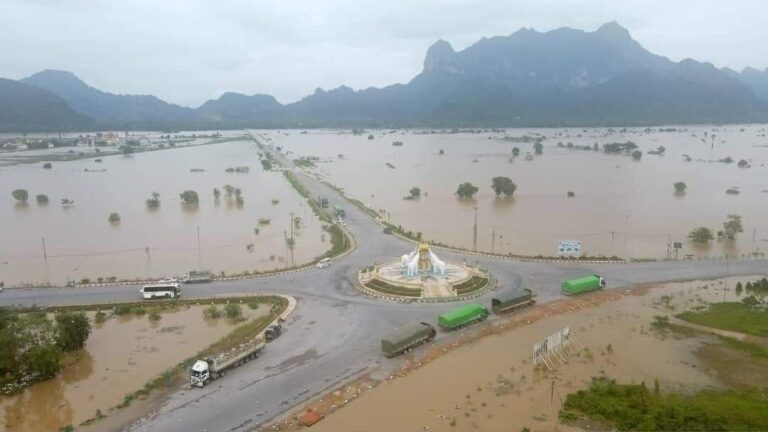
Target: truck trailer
198,276
465,315
582,285
511,302
407,337
208,369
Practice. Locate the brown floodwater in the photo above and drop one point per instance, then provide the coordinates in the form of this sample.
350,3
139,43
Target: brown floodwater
107,370
80,242
621,206
491,385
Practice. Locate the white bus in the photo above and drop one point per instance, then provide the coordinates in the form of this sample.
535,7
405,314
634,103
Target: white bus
160,290
323,263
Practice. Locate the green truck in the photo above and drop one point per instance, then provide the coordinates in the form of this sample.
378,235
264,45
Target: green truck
465,315
512,301
406,337
582,285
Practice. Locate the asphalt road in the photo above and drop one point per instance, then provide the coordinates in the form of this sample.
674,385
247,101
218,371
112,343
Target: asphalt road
335,332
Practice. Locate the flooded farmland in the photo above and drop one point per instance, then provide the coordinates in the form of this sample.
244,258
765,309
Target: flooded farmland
620,206
99,376
80,242
499,386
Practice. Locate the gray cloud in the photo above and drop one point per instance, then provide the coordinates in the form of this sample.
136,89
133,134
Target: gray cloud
190,51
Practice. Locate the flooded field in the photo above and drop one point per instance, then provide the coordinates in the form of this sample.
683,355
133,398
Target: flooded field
620,206
80,242
104,372
499,387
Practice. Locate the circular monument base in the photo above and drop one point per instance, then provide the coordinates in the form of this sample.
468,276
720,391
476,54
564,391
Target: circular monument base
390,280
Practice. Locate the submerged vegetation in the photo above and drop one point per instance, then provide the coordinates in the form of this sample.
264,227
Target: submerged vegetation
630,407
32,345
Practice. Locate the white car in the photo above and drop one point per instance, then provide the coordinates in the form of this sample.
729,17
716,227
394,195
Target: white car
323,263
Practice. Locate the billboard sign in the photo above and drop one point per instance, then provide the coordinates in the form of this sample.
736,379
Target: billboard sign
569,248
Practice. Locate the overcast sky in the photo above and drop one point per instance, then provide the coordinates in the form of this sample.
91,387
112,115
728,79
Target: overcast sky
189,51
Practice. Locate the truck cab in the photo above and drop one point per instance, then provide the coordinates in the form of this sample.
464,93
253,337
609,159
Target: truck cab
199,374
272,332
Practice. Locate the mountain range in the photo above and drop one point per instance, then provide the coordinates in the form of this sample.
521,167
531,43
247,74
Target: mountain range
529,78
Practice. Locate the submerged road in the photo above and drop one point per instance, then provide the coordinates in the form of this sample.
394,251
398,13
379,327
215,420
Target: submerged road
334,333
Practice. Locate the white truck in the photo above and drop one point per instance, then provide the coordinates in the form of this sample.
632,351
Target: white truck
208,369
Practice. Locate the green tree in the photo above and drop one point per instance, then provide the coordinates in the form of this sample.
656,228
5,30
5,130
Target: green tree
441,152
114,218
731,227
466,190
72,330
701,235
637,155
154,201
42,199
538,148
216,193
739,289
189,197
127,150
42,361
21,195
415,192
47,165
233,311
503,186
515,151
266,165
680,187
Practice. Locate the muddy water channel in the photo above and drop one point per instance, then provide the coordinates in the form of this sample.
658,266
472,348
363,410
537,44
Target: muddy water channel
80,242
121,355
621,206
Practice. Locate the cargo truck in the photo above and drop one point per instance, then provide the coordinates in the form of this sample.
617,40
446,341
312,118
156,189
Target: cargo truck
198,276
582,285
208,369
465,315
513,301
407,337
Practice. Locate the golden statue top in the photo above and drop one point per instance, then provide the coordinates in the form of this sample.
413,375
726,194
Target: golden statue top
423,247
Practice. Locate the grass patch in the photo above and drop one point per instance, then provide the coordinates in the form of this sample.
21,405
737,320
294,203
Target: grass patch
473,284
752,349
731,316
630,407
381,286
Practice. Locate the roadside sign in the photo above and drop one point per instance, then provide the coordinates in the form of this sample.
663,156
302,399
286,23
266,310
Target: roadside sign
678,245
569,248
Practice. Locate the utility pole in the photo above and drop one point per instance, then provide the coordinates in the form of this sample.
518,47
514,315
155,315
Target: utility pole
291,228
291,245
45,253
626,229
474,239
146,249
613,234
199,249
493,242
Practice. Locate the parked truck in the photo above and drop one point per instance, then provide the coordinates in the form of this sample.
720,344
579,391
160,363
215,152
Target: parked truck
513,301
582,285
211,368
407,337
465,315
198,276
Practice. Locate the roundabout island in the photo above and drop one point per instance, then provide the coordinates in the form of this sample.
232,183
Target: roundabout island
421,276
